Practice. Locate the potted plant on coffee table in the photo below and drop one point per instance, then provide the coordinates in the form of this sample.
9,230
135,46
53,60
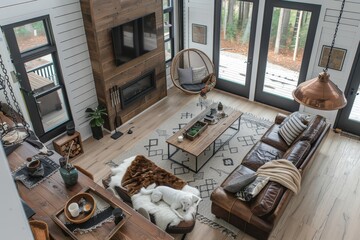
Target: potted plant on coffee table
96,121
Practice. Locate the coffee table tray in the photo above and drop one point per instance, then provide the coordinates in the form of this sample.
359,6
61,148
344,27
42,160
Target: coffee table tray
195,130
102,223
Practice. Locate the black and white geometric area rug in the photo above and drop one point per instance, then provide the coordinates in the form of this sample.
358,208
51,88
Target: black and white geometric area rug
155,148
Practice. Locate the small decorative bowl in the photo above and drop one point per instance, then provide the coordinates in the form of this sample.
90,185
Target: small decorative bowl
87,213
33,165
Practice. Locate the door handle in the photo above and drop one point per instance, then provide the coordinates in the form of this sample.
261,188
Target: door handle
248,62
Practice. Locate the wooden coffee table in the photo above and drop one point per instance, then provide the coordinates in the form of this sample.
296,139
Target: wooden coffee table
204,145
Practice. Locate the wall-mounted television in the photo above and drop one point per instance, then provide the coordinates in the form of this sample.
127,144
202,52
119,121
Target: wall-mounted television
134,38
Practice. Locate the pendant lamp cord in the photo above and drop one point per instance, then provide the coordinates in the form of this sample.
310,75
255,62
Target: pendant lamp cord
336,30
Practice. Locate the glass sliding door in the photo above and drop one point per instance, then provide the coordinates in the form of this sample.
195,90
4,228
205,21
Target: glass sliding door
287,40
349,117
233,48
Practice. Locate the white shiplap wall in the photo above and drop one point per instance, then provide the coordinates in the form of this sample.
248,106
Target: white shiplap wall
348,38
67,25
199,12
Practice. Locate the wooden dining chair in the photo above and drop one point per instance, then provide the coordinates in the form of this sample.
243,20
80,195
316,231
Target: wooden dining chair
39,230
85,172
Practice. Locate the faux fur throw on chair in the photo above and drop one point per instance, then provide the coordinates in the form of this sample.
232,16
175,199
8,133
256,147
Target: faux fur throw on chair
161,212
143,172
283,172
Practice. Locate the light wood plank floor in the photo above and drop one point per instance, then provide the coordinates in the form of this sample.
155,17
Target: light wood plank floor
328,206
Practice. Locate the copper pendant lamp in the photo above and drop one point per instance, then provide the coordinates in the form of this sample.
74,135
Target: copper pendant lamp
320,92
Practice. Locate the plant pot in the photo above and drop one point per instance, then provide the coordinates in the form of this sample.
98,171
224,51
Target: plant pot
70,128
70,176
97,132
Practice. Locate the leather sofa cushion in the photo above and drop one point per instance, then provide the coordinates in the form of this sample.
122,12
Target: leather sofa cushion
267,199
273,138
260,154
297,152
314,129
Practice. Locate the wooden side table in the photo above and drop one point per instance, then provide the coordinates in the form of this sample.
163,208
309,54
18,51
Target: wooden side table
63,143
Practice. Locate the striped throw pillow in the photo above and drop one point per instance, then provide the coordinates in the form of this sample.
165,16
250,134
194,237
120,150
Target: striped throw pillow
292,129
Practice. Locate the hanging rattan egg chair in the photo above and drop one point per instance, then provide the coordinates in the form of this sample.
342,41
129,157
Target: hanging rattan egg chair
193,72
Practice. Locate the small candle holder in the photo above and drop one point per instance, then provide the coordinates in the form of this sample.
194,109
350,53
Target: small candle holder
180,138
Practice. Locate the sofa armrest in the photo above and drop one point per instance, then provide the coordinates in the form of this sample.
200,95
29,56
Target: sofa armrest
280,118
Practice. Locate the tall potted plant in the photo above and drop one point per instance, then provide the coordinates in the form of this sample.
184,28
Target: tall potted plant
96,121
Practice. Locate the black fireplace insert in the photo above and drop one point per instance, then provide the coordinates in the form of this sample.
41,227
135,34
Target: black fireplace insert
137,88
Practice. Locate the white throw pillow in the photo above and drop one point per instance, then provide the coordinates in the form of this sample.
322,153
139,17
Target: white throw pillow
198,74
292,129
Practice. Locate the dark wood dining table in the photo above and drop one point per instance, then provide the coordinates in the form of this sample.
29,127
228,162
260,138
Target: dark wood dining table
52,194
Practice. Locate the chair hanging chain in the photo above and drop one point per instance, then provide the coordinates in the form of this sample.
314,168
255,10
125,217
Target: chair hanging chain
4,81
336,30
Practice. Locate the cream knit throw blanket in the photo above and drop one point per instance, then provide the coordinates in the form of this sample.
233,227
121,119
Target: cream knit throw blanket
283,172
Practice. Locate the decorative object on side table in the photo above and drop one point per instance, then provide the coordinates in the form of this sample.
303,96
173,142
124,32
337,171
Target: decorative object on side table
96,121
70,128
67,171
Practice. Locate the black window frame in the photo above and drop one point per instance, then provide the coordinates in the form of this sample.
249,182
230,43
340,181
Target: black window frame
169,10
266,97
20,58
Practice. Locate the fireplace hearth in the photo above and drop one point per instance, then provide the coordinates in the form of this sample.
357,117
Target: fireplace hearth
136,89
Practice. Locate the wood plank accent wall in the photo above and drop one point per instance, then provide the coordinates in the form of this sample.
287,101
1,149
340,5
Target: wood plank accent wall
100,16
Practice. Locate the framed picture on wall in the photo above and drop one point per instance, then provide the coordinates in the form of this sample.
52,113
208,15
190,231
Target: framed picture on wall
199,33
336,60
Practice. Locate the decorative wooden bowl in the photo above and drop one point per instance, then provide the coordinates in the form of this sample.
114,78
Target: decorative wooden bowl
84,215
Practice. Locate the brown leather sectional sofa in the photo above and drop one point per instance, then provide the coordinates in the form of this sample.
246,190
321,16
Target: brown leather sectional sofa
259,216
